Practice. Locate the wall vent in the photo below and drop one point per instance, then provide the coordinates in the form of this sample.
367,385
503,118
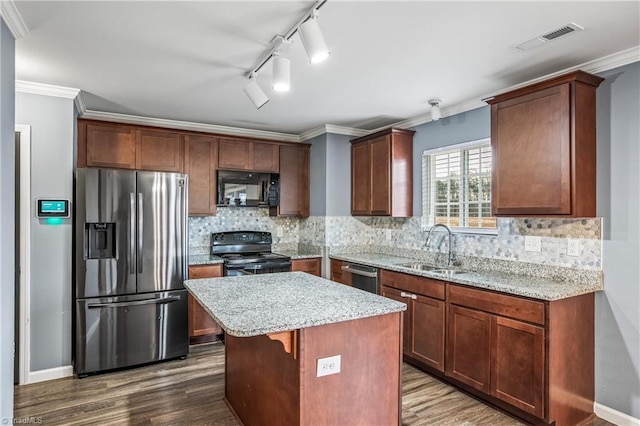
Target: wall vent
549,36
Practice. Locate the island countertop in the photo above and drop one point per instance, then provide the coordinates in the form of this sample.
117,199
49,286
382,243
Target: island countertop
269,303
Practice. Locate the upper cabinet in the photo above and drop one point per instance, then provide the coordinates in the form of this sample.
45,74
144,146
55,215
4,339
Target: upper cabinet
159,150
239,154
124,146
382,174
201,159
106,145
543,139
294,181
128,146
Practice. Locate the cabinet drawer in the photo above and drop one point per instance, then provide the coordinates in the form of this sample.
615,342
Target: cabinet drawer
499,304
420,285
205,271
311,266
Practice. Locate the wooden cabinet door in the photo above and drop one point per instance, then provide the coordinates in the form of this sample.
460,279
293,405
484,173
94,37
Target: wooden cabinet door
407,320
517,364
110,145
311,266
202,327
380,149
265,157
159,150
233,154
361,179
469,347
531,144
427,331
201,159
337,274
294,181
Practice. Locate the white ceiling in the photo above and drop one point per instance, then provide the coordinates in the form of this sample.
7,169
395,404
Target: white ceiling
186,60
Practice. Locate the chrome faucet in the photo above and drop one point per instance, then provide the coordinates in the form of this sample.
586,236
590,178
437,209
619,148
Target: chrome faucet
426,243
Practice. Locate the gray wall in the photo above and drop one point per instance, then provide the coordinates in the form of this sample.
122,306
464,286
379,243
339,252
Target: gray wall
338,175
330,173
52,122
465,127
318,176
618,176
7,229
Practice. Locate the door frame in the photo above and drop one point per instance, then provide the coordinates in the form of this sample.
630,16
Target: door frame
24,356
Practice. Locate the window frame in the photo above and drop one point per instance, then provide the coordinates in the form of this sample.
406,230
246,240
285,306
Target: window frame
427,196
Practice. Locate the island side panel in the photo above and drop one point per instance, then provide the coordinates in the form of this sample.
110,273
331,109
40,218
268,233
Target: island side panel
367,391
262,381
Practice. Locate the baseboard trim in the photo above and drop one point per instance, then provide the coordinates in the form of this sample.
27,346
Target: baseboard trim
50,374
614,416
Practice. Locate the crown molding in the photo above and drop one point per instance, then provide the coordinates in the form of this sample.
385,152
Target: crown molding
46,89
615,60
81,107
13,19
330,128
187,125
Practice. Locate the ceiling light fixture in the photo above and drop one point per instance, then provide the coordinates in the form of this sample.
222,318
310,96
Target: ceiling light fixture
255,93
312,39
282,66
435,109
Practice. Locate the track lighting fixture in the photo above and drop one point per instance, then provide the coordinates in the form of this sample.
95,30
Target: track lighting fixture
314,45
435,109
255,93
281,73
312,39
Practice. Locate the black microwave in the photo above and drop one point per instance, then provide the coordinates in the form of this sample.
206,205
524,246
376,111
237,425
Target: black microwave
247,189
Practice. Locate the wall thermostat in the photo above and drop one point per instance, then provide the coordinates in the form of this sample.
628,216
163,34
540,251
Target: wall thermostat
53,208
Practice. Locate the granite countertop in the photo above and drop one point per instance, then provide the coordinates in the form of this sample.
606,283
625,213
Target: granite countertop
298,255
518,284
254,305
204,259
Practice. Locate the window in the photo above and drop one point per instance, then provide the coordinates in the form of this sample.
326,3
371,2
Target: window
456,183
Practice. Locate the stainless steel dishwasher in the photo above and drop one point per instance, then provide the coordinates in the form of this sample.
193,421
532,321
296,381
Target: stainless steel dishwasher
363,277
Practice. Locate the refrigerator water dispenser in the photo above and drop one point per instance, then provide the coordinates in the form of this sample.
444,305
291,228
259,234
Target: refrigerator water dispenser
100,240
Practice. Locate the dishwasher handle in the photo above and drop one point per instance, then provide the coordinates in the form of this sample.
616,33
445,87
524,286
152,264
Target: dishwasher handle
357,271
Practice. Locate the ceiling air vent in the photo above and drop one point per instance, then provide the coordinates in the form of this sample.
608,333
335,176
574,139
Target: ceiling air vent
550,36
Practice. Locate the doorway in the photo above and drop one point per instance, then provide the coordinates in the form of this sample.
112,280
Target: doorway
22,252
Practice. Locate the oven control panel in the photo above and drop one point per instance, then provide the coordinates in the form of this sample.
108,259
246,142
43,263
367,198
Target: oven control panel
241,237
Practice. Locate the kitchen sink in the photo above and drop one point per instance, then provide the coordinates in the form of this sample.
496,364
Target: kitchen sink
419,266
448,271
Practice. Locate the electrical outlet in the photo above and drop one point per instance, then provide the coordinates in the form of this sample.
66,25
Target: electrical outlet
388,234
328,366
279,232
573,248
532,243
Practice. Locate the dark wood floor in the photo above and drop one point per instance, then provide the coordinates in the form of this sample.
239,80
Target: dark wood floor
190,392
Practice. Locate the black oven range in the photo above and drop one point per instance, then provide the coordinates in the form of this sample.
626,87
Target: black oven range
248,253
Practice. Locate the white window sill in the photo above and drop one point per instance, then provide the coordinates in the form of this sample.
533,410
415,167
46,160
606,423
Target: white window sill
465,230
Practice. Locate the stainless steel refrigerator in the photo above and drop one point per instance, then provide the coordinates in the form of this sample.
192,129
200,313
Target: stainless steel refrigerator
130,264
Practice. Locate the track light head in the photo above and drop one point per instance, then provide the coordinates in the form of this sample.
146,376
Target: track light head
281,73
435,109
255,93
313,41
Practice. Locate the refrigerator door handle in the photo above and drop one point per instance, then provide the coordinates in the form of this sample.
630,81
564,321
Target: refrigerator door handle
134,303
132,232
140,233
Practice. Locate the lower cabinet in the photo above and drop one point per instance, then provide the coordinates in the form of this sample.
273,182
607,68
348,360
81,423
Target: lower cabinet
424,319
202,328
532,358
337,274
311,266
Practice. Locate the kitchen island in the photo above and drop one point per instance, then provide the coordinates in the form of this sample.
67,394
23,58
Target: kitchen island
305,350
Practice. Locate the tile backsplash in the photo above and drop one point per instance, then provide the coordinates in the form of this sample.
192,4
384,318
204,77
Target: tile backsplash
406,234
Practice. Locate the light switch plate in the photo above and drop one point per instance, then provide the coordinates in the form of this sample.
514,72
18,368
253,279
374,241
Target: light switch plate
388,234
328,366
279,232
532,243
